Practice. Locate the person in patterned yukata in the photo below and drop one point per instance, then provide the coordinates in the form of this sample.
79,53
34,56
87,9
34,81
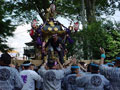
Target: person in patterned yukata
112,73
9,77
69,82
29,76
93,81
52,76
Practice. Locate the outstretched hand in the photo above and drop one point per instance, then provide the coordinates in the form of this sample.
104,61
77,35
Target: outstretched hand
74,60
58,61
102,50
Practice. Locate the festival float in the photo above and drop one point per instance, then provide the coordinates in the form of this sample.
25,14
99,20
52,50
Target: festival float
41,33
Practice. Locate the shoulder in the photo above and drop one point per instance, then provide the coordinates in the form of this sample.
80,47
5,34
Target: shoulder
50,75
9,71
55,72
32,72
102,76
26,71
51,72
13,70
61,72
70,75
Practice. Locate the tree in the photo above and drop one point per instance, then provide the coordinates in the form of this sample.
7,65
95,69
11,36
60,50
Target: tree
88,41
27,10
6,27
93,8
91,38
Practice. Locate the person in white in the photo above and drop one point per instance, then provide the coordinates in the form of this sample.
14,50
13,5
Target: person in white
29,77
9,77
52,76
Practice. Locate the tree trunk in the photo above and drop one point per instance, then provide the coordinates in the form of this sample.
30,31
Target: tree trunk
90,10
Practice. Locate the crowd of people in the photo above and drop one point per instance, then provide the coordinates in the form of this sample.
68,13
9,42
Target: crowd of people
53,75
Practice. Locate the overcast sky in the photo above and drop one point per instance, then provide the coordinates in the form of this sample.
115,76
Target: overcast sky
21,35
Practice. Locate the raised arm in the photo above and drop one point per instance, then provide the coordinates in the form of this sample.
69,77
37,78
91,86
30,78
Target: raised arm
102,55
61,66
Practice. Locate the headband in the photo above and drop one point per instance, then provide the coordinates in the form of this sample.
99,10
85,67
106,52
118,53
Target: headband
27,64
92,64
110,64
75,67
117,58
113,62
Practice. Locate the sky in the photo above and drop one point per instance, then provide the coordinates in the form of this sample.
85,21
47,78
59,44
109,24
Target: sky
21,35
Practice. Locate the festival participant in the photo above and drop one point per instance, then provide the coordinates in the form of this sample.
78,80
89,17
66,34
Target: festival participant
39,84
69,82
29,76
32,66
9,77
110,64
111,73
52,77
55,43
93,81
103,56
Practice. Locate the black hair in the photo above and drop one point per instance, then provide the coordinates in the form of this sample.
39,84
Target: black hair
26,62
51,63
73,69
82,63
88,68
117,63
32,64
94,69
5,58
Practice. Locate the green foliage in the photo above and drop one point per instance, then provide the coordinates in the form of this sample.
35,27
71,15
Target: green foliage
88,41
93,8
6,28
26,10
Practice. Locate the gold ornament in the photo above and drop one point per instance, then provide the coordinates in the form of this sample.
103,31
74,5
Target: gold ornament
56,29
49,29
51,24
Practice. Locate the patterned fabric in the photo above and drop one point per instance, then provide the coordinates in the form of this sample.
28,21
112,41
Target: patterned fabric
112,74
92,82
69,83
10,79
52,78
29,77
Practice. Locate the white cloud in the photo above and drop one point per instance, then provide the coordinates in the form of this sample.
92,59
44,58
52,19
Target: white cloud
21,36
115,17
